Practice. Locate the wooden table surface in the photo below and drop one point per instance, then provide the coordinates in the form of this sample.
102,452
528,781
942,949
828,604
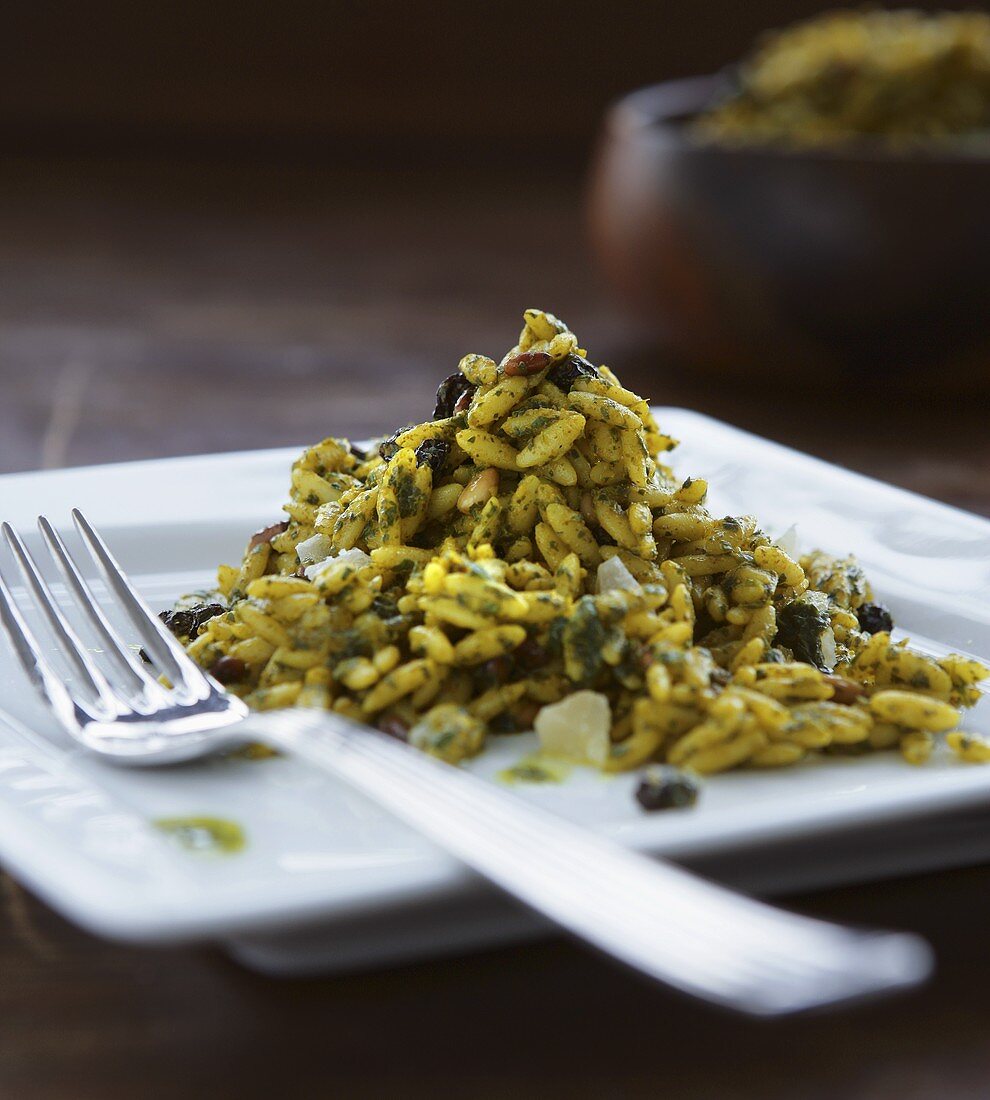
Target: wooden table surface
152,310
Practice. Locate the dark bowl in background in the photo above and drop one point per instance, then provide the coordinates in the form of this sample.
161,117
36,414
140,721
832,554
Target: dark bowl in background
862,263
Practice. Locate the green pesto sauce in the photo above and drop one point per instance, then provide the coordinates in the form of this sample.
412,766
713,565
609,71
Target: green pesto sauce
535,769
253,750
204,835
409,497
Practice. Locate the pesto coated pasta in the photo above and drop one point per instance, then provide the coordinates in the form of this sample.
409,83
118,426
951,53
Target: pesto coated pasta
528,559
904,78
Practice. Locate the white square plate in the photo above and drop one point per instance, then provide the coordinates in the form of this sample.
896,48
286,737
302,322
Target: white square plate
328,879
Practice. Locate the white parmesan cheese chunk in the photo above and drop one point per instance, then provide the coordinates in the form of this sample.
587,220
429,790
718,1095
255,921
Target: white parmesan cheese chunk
788,541
353,559
613,574
829,654
313,549
576,728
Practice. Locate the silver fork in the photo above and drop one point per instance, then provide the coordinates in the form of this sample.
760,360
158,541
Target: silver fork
691,934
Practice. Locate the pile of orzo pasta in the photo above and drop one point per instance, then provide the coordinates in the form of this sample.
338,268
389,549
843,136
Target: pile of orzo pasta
526,558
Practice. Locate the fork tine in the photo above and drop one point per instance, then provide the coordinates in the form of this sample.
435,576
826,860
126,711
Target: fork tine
139,678
162,645
39,671
63,632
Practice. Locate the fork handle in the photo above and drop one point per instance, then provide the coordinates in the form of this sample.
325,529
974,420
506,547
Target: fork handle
657,918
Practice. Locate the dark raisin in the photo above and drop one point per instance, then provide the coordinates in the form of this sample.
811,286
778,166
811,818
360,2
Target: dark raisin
704,624
525,714
493,672
228,670
388,447
565,373
449,395
666,788
433,453
530,654
186,623
394,727
143,654
266,534
526,363
503,723
874,617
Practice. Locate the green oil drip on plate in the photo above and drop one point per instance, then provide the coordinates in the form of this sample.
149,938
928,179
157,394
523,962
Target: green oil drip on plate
535,769
204,835
253,750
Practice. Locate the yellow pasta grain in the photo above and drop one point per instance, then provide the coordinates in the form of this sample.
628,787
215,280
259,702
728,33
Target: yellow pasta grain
487,449
449,610
781,754
479,369
431,642
432,429
723,719
276,697
974,750
552,443
693,491
493,404
483,645
399,557
728,754
906,708
552,548
916,747
386,659
604,409
569,525
614,520
443,499
402,681
775,560
357,673
527,420
560,470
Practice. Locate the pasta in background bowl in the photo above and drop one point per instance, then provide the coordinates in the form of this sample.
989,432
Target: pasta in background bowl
816,214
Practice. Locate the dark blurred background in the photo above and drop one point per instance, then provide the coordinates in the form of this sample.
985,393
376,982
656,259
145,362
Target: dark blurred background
349,80
239,225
